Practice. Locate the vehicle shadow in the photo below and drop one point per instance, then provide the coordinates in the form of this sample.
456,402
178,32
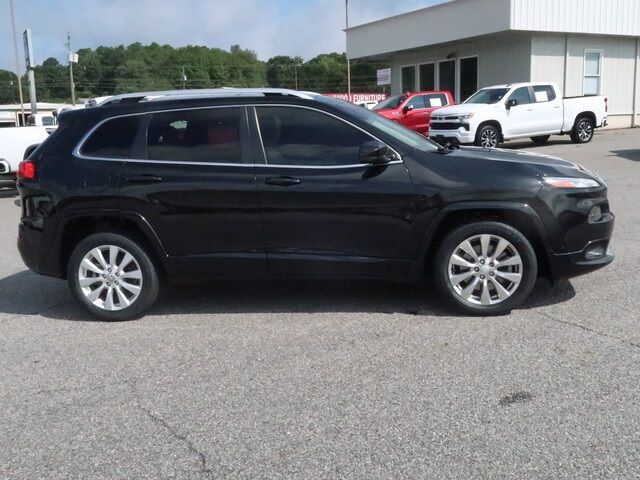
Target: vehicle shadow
255,296
633,154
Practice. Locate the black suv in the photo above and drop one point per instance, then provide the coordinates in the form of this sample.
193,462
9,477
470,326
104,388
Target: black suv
225,183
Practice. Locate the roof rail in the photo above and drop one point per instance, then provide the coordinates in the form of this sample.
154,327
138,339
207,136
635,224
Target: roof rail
224,92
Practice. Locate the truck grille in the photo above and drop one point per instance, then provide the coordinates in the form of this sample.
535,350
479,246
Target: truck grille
448,126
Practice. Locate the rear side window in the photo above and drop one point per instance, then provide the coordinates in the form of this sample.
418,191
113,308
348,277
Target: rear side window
206,135
544,93
435,100
299,136
113,139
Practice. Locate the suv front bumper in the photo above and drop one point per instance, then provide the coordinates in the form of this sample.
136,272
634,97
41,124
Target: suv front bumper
459,136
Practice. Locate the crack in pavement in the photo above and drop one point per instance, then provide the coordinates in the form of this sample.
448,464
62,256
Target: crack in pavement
158,420
587,329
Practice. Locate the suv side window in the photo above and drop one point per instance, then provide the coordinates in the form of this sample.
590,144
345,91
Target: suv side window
544,93
113,139
522,95
417,102
204,135
299,136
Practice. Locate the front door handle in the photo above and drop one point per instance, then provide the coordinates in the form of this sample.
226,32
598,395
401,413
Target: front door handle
144,178
282,181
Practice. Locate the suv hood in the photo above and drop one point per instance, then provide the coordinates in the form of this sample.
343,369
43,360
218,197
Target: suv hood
514,156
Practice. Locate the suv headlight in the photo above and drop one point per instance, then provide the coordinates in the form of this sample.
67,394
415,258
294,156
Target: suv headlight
569,182
466,116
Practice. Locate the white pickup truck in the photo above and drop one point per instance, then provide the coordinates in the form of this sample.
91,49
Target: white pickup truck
504,112
15,144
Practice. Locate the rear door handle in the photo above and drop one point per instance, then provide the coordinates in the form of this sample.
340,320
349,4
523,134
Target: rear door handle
144,178
282,181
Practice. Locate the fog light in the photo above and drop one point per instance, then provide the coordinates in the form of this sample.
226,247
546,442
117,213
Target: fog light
595,251
595,214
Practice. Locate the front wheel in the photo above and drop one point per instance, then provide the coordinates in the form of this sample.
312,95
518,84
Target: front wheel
583,130
485,268
487,137
112,276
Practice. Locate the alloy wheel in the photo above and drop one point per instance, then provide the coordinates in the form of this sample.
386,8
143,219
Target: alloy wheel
110,277
585,130
489,139
485,269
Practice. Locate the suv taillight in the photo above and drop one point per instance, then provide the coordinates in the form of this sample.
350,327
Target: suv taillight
27,170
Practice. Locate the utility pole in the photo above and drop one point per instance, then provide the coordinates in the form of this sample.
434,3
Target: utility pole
346,16
71,60
15,48
295,73
31,64
184,79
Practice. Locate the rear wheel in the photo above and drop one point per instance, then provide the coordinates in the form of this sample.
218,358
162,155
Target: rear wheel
541,139
583,130
112,276
487,137
485,268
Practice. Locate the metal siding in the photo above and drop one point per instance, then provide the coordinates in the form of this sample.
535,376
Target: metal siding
606,17
430,26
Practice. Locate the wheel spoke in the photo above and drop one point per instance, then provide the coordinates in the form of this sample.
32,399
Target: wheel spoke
126,260
459,278
484,243
122,298
88,281
512,277
467,248
485,297
89,265
132,288
502,245
511,261
502,292
97,254
133,274
461,262
113,255
466,293
108,302
93,296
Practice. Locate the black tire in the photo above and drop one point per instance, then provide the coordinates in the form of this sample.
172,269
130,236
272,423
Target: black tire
484,134
459,235
586,125
149,284
541,140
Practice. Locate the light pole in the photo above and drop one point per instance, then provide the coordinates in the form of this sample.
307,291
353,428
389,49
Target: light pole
71,59
15,49
346,18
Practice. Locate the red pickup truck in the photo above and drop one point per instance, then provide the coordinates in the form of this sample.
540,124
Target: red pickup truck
414,109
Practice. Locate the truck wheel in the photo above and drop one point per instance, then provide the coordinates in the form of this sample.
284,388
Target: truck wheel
583,130
112,276
487,137
541,140
485,268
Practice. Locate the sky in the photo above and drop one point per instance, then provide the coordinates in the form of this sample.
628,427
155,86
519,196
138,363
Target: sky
270,27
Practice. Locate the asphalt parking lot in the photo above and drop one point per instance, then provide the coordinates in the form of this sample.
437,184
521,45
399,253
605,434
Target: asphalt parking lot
331,379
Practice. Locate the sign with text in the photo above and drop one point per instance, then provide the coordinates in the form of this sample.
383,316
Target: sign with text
28,49
384,76
358,97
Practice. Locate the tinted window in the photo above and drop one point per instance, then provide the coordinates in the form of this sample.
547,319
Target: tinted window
428,76
416,102
391,102
298,136
208,135
521,95
488,96
113,139
544,93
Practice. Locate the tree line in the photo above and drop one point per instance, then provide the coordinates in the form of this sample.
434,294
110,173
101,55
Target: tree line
136,67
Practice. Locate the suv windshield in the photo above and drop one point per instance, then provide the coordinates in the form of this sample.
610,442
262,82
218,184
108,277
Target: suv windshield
391,102
391,128
488,96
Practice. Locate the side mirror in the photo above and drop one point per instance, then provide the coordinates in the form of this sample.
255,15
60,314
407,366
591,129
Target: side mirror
511,103
407,108
376,153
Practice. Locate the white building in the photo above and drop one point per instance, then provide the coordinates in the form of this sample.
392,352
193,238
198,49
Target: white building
585,46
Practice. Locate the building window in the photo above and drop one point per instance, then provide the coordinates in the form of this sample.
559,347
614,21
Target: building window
592,72
468,77
427,77
408,78
447,76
